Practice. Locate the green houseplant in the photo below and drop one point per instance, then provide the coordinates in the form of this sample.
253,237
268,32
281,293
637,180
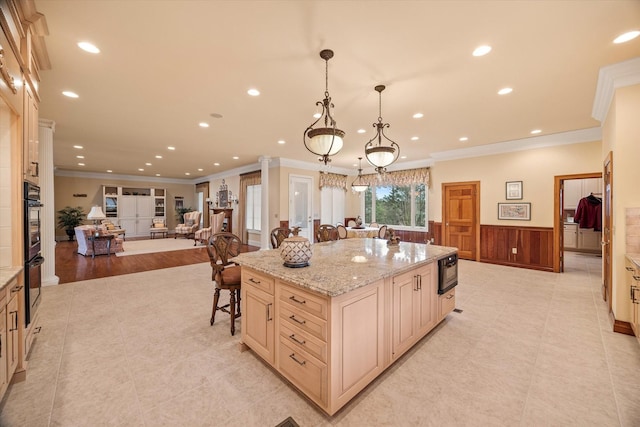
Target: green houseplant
69,218
180,214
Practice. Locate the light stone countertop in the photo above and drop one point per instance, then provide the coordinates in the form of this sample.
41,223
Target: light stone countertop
634,258
7,274
344,265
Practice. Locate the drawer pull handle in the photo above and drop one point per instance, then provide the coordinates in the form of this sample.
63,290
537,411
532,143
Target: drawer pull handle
636,278
252,280
16,289
629,268
301,363
269,318
293,298
37,330
450,296
293,338
300,322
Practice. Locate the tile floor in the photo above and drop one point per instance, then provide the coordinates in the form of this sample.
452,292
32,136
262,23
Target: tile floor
529,349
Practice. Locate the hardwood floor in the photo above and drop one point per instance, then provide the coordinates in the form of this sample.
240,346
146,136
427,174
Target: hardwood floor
73,267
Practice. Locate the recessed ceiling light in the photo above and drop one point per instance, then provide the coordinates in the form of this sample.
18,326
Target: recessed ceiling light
403,157
80,164
109,170
418,115
141,170
415,138
505,90
622,38
148,164
235,157
355,165
282,141
200,169
70,94
171,148
157,174
360,131
187,173
535,131
216,164
203,125
482,50
158,156
79,157
317,115
79,147
253,92
463,139
88,47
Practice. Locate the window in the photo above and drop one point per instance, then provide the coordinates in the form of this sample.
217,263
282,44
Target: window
402,206
332,205
254,203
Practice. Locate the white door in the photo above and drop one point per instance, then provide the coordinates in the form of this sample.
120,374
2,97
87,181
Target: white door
301,204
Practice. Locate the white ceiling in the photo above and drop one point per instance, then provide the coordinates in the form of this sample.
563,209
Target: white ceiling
165,66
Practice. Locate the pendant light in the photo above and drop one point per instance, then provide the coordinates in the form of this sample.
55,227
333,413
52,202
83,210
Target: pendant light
381,156
324,141
358,184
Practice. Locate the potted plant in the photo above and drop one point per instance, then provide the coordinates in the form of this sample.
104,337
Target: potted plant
180,213
69,218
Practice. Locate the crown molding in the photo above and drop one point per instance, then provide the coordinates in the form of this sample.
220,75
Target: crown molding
111,177
316,166
610,78
46,123
563,138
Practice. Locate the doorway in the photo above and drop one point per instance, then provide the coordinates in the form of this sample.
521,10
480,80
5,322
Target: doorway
461,218
301,204
202,194
569,190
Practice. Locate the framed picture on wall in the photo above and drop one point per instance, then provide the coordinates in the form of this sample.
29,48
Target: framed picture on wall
517,211
223,198
514,190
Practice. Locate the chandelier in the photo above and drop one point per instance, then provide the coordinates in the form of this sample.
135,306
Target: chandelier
381,156
358,184
324,141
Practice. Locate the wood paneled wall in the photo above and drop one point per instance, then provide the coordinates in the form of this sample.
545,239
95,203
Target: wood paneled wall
533,246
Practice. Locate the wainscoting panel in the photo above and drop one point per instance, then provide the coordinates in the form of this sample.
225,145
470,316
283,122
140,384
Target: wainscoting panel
526,247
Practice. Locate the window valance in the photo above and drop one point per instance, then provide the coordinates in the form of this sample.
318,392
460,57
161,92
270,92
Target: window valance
333,180
403,177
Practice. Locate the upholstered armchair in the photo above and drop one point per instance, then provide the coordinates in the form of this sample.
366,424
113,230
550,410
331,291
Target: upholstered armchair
86,246
158,226
216,222
109,227
190,226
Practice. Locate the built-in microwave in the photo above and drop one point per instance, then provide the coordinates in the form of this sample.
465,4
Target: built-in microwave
447,273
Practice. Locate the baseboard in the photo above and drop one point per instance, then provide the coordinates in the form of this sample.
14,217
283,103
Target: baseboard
622,327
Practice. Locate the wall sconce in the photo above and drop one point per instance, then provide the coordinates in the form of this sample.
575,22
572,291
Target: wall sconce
209,202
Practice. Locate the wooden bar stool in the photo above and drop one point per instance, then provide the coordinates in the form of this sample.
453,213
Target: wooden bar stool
222,247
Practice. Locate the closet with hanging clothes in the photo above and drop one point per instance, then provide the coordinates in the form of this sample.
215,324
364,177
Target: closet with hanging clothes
583,215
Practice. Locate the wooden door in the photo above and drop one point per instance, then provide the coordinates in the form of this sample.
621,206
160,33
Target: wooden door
607,237
461,217
301,205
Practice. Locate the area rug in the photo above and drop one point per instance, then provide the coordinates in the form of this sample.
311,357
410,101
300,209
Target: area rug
137,247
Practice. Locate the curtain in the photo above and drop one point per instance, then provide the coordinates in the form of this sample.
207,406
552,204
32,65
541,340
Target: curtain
404,177
247,179
333,180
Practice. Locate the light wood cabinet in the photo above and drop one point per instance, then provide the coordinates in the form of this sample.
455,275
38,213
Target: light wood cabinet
590,240
31,168
258,314
633,282
13,334
576,189
4,381
414,307
446,303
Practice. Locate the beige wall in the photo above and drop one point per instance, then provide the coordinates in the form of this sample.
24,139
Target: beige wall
621,135
535,168
65,187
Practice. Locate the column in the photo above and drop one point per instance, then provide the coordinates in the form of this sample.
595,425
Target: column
47,213
264,202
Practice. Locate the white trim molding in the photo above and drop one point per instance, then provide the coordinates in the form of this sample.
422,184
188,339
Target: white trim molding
610,78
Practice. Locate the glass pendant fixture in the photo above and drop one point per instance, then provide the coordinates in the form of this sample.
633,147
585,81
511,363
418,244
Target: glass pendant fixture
324,141
380,156
358,184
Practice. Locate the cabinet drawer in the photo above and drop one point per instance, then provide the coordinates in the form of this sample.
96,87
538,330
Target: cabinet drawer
304,301
3,293
303,371
447,302
303,321
258,280
303,341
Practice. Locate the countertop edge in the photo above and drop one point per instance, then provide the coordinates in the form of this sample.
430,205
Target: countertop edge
634,258
7,274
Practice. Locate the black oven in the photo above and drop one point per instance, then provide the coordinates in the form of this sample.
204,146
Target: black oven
32,257
447,273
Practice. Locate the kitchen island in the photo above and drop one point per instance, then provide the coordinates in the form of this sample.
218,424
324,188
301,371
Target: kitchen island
334,326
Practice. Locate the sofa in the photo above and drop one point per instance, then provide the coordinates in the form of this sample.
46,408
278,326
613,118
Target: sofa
86,246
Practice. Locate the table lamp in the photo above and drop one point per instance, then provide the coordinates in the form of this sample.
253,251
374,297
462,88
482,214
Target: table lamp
96,215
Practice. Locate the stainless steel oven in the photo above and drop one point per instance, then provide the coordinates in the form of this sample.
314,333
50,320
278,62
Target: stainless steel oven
32,258
447,273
